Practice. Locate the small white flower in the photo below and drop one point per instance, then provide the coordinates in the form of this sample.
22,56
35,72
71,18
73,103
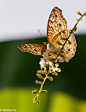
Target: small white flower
42,63
50,63
56,64
55,68
59,70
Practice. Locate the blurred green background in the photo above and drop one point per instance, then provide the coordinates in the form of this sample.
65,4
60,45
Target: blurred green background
67,93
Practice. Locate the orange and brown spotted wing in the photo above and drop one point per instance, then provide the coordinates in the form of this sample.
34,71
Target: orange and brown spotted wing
57,29
56,24
37,49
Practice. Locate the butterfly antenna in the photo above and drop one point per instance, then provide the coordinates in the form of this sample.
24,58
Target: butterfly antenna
35,41
40,34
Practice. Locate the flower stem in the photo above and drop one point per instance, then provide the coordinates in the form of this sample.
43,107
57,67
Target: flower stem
43,83
71,31
79,20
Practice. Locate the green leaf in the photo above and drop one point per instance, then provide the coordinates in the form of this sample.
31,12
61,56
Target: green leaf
53,52
54,73
34,99
61,50
38,102
63,38
47,65
43,91
38,82
50,78
62,56
39,76
75,28
35,91
58,43
77,20
69,42
42,71
50,59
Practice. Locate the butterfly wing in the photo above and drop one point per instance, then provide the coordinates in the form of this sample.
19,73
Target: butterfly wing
56,24
37,49
57,29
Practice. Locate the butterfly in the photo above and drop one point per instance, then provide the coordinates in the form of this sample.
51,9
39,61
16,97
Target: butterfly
56,30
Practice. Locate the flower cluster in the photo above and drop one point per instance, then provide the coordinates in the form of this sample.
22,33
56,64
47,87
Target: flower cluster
46,63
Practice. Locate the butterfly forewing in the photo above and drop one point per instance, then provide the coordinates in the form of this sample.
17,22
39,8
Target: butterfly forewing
37,49
56,23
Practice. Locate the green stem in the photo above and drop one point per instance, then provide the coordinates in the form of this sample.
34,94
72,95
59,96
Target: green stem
71,31
79,20
43,83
